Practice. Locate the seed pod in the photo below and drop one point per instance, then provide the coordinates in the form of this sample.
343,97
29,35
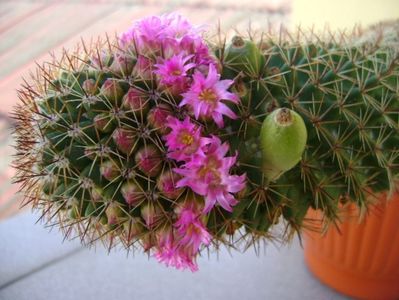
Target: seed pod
244,55
283,140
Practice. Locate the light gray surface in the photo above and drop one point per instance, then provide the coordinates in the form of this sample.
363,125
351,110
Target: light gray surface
30,268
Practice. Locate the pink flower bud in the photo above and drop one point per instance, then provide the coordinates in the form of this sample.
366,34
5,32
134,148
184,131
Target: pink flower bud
157,117
166,184
124,139
132,229
132,193
96,194
89,86
109,170
136,101
101,60
112,91
151,214
114,213
122,65
149,160
103,122
148,241
143,68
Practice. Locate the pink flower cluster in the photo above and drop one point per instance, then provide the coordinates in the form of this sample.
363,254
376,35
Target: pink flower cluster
173,50
179,247
167,35
206,170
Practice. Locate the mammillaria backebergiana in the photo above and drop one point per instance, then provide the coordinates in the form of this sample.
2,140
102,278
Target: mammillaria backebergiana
164,141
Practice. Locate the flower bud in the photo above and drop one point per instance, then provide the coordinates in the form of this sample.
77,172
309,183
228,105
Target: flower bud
157,117
132,193
132,229
96,194
151,213
112,91
89,86
166,184
143,68
109,170
136,101
122,65
103,122
149,160
148,241
124,139
114,213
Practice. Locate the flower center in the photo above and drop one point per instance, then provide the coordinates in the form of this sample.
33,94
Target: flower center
210,171
186,138
176,72
208,95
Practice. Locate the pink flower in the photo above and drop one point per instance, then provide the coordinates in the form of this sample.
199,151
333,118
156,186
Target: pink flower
172,72
167,35
191,230
179,246
184,140
205,95
208,175
169,253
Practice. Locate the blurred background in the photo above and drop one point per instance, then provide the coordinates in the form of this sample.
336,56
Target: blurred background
29,30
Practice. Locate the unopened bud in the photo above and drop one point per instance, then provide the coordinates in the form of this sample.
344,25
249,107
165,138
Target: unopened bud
132,193
114,213
166,184
124,139
112,91
89,86
122,65
109,170
151,214
149,160
136,101
157,117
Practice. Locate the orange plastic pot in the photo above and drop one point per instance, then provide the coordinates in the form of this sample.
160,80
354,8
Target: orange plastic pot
358,259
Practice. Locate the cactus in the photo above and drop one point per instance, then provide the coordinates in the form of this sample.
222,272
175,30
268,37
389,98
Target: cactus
161,140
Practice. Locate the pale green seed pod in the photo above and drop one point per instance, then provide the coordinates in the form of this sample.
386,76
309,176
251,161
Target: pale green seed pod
283,140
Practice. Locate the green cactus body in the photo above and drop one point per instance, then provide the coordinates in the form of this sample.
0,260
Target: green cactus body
347,97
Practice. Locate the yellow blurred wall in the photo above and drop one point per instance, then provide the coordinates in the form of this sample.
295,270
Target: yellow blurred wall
343,13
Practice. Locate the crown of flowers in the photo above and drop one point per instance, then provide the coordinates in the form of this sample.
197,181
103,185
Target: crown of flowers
173,50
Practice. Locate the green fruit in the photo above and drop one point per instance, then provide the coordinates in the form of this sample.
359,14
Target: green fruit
244,55
283,140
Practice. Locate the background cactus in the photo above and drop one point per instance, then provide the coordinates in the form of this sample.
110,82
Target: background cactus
109,138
